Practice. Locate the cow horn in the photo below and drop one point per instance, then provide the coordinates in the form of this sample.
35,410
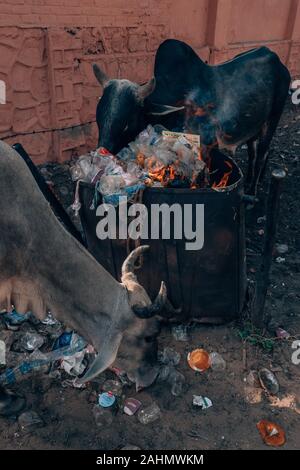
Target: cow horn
163,109
146,89
161,300
100,75
128,265
156,307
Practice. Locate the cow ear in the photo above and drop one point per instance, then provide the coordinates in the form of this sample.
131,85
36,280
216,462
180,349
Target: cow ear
100,75
106,356
146,89
163,109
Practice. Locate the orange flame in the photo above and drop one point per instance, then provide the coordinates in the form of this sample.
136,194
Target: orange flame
224,180
164,175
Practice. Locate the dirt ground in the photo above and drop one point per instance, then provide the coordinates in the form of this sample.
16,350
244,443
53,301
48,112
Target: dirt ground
231,422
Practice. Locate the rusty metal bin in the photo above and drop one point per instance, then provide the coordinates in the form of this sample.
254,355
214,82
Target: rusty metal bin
209,284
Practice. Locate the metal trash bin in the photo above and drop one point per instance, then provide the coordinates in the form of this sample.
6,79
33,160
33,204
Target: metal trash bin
208,284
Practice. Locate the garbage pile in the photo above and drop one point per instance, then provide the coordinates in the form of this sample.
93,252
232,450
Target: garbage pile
157,158
29,345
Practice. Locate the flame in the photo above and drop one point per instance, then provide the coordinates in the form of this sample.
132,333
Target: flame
164,175
158,172
224,180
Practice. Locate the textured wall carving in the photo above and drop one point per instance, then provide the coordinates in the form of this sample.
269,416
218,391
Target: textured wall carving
24,68
46,60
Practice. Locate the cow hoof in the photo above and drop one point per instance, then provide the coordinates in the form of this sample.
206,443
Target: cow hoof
11,404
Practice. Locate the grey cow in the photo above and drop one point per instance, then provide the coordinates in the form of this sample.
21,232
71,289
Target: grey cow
43,267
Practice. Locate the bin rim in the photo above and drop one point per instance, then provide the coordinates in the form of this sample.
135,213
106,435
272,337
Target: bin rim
165,190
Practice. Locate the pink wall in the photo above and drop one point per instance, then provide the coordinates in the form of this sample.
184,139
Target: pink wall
188,21
47,47
250,20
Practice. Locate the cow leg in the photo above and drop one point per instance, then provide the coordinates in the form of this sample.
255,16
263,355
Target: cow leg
261,157
266,135
262,151
252,154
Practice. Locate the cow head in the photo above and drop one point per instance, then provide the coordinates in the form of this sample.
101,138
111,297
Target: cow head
132,345
121,112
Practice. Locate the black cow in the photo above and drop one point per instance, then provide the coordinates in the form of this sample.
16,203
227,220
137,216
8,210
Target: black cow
239,101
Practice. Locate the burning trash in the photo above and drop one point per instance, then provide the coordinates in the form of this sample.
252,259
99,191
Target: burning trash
157,158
